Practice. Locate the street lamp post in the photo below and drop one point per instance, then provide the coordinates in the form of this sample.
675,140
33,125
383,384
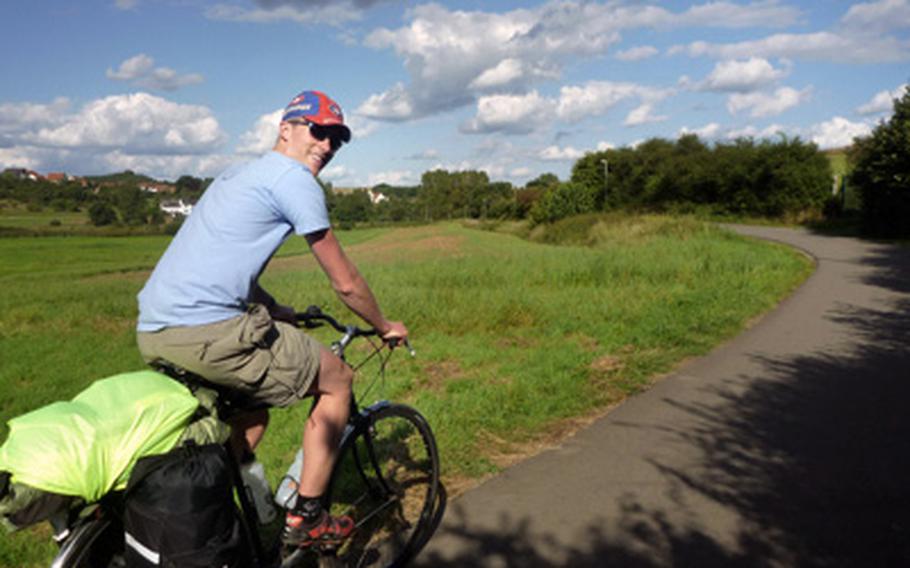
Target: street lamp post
606,179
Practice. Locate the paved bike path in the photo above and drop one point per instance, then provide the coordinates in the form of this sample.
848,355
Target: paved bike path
787,446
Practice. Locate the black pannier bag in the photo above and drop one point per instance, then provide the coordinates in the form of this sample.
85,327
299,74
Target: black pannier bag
180,511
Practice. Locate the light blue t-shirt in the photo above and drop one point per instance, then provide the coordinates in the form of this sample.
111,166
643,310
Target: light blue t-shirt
208,271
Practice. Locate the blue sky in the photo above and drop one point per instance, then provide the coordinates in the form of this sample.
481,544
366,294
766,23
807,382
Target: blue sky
516,89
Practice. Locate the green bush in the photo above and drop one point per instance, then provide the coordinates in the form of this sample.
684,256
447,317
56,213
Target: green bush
780,178
563,200
881,173
101,213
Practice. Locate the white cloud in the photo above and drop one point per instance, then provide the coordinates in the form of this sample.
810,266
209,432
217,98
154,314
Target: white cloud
337,174
819,46
882,102
428,154
19,118
761,13
140,70
557,154
762,104
140,122
453,57
505,72
334,12
394,177
132,68
709,131
741,76
19,158
126,4
603,145
166,167
512,114
394,105
637,53
142,130
597,97
838,132
521,114
261,137
772,131
361,127
879,16
643,114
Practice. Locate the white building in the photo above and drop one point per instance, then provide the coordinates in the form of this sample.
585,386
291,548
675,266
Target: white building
178,207
376,197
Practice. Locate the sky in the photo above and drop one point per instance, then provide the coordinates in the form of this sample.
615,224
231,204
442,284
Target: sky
516,89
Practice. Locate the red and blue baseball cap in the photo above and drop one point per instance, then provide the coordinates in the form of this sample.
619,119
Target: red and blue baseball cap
317,108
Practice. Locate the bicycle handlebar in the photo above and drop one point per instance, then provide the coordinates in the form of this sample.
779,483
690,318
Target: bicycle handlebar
314,317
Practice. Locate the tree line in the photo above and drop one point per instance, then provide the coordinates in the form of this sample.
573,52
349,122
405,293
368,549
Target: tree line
785,177
881,173
114,199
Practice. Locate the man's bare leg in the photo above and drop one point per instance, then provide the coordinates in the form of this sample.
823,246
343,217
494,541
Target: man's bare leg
247,430
325,424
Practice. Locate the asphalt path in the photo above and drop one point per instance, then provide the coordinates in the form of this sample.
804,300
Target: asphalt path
787,446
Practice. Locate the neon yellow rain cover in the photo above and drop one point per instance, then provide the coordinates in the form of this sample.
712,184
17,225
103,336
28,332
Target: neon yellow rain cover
89,445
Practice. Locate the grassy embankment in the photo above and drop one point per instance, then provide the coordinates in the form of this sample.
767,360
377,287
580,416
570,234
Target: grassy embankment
518,343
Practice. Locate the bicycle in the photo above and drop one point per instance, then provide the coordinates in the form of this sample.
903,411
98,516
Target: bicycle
386,477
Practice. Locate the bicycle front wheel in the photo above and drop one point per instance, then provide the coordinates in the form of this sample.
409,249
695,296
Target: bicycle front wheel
387,479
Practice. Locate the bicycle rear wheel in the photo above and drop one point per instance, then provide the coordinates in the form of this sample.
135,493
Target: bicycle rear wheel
386,478
95,543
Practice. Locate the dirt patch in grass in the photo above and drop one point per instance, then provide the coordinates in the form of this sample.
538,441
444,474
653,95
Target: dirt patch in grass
437,373
112,326
606,364
137,275
412,244
586,342
524,343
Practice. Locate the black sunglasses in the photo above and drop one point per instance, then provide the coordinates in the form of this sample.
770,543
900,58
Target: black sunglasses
336,135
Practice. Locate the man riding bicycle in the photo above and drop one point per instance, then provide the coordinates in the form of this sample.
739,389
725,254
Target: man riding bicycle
204,310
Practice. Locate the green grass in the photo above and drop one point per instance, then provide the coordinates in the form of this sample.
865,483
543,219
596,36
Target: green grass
21,218
515,339
17,220
838,161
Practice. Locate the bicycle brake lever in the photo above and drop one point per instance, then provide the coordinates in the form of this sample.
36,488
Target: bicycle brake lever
395,342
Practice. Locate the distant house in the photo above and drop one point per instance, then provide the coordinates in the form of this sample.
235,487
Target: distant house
60,177
174,208
22,173
376,197
157,187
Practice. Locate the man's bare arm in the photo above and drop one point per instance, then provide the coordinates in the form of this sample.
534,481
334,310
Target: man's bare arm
348,283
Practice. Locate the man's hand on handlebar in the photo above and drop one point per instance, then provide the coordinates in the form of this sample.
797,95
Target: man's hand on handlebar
394,333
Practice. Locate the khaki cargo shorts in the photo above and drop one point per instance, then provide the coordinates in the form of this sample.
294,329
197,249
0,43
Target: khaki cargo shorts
267,362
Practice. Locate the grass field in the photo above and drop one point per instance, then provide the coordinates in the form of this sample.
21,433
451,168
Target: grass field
18,220
518,343
838,160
